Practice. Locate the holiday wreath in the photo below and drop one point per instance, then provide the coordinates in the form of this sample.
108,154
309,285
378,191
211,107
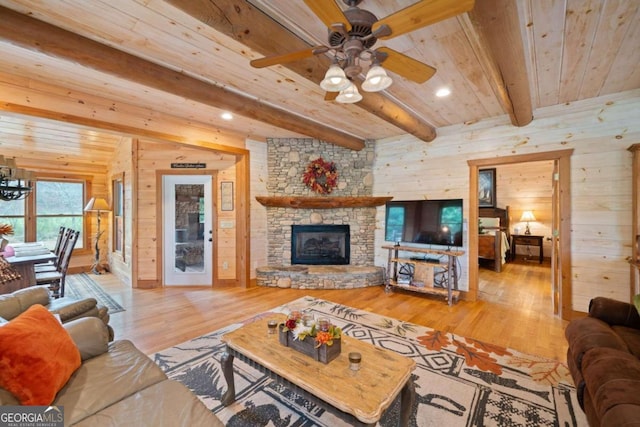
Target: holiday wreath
321,176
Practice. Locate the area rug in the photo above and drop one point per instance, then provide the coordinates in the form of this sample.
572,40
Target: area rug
83,286
459,381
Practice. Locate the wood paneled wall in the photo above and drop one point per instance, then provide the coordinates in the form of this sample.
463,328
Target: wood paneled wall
599,131
154,157
123,164
258,187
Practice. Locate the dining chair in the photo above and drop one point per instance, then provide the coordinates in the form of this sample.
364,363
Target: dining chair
61,241
56,279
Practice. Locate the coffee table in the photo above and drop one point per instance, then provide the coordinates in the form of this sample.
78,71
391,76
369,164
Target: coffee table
360,396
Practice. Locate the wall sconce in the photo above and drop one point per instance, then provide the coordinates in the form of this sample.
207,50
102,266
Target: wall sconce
527,216
15,183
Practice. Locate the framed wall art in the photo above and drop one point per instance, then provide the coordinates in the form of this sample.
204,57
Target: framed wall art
487,188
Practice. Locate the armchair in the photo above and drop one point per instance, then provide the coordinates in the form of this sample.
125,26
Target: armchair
68,309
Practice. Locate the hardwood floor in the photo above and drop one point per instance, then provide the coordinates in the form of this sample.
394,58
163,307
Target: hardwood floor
514,310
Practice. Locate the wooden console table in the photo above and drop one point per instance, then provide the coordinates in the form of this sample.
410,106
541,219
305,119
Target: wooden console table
451,291
526,240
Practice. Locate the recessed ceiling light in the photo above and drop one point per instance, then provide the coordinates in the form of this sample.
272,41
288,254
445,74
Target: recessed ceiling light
226,116
442,92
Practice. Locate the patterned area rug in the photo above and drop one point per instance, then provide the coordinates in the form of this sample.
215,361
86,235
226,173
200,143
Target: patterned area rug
83,286
459,381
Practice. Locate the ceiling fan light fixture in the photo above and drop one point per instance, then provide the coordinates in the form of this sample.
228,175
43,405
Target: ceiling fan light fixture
335,80
376,80
349,95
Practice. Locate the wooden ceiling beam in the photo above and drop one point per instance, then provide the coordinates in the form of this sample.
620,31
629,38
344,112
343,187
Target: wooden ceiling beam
258,31
496,37
29,33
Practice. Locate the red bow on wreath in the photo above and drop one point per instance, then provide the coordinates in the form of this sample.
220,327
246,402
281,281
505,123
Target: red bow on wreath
321,176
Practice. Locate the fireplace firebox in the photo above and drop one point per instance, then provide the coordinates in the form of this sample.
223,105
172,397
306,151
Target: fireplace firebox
320,244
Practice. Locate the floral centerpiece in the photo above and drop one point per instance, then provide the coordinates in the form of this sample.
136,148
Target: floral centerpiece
323,332
316,338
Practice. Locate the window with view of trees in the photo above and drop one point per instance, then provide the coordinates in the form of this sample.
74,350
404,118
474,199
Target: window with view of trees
53,204
13,213
58,204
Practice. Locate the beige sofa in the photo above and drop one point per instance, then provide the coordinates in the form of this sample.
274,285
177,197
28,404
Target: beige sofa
118,385
15,303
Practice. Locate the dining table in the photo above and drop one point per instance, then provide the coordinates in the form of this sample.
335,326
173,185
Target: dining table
23,261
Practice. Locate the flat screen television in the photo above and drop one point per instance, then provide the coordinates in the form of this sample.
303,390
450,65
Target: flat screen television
430,222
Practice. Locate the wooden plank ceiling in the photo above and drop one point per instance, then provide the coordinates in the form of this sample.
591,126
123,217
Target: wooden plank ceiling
172,63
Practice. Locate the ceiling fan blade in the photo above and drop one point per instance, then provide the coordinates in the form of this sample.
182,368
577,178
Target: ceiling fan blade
421,14
331,96
329,12
406,66
287,57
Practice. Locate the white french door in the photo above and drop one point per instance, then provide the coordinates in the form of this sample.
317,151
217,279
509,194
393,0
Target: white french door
187,209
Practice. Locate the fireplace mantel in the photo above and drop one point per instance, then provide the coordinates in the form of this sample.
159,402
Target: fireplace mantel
321,202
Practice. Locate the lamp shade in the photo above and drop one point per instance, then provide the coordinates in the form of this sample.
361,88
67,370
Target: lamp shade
376,80
97,204
349,95
527,216
335,79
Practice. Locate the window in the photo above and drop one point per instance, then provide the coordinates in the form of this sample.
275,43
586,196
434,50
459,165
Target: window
54,203
118,214
12,212
58,204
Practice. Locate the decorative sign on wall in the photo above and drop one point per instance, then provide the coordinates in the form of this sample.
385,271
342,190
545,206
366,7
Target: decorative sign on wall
226,195
188,165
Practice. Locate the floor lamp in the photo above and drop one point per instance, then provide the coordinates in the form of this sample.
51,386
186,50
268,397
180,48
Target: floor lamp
97,204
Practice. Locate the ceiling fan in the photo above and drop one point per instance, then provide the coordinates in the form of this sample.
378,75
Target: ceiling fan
352,36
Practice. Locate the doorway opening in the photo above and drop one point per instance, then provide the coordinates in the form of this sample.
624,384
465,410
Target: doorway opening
561,220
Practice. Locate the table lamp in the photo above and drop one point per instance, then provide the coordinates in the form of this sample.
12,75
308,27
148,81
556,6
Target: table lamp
527,216
97,204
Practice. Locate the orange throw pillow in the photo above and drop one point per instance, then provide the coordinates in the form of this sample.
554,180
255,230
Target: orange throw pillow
37,356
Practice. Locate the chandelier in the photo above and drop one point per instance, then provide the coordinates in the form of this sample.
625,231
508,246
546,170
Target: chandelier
15,183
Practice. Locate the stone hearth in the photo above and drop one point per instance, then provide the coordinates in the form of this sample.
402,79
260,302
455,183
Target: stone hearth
319,276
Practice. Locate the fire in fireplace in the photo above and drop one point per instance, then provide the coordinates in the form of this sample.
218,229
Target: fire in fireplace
320,244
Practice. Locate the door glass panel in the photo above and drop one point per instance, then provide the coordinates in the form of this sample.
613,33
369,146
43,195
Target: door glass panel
189,228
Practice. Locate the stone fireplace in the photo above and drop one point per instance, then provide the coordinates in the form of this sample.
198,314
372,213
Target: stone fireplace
318,261
320,244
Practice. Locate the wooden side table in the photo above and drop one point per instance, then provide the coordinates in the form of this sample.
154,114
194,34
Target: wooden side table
526,240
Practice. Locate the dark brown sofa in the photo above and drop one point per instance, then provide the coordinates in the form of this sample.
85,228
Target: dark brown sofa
604,360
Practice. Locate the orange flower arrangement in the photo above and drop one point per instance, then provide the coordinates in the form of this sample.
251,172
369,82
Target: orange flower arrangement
301,327
6,229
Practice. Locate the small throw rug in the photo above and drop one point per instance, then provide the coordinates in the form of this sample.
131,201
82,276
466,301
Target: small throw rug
81,285
459,381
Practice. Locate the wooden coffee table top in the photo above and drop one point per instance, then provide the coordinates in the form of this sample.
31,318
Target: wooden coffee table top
364,394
